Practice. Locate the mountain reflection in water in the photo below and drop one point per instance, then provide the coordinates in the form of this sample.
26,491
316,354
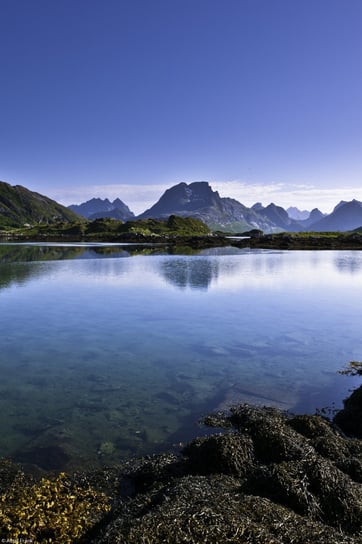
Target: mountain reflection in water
196,273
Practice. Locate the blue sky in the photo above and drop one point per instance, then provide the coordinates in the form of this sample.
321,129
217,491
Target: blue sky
124,98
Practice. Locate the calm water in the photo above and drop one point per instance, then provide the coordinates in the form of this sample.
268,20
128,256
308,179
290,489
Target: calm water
111,351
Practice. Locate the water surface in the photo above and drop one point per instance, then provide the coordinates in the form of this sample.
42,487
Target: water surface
109,351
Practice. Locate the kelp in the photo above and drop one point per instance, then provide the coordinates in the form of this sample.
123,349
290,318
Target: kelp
46,511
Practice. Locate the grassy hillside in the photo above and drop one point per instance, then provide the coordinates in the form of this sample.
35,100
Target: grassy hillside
19,207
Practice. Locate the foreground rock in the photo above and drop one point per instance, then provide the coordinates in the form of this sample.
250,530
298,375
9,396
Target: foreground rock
267,478
350,418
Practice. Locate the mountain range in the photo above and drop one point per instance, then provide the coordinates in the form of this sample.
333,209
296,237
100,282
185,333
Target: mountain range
226,214
198,200
20,206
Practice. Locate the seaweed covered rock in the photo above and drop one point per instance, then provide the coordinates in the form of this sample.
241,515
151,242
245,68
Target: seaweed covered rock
303,463
228,454
350,418
286,484
312,426
272,438
330,444
268,479
213,510
339,497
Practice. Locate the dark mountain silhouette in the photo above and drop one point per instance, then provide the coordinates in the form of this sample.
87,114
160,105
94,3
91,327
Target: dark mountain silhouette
19,206
184,198
345,216
97,208
200,201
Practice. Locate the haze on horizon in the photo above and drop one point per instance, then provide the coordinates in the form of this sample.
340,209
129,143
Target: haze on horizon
125,98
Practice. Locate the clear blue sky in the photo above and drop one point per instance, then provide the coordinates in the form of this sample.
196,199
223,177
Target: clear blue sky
262,98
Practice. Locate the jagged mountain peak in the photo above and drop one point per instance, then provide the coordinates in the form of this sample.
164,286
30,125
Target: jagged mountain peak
183,199
354,202
297,214
257,206
97,207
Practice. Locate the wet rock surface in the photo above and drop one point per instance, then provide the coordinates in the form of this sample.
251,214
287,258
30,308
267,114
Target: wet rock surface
263,477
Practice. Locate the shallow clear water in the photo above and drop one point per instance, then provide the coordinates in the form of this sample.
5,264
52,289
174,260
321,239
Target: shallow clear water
105,355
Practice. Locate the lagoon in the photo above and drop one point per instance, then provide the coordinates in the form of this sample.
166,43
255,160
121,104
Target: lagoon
109,351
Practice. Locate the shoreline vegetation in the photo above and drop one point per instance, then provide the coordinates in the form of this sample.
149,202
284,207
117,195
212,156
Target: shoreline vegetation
177,232
262,476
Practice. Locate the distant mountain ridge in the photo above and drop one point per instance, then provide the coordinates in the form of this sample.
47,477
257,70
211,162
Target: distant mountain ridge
20,206
200,201
97,208
345,216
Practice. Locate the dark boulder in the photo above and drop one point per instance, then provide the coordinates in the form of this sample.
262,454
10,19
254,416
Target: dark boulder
350,418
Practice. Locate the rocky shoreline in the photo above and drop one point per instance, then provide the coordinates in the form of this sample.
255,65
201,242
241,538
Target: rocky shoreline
299,241
253,239
263,476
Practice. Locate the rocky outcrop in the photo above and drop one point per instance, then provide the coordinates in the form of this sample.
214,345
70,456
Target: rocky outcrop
350,418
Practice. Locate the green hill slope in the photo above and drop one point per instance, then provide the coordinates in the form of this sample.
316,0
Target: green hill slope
19,206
